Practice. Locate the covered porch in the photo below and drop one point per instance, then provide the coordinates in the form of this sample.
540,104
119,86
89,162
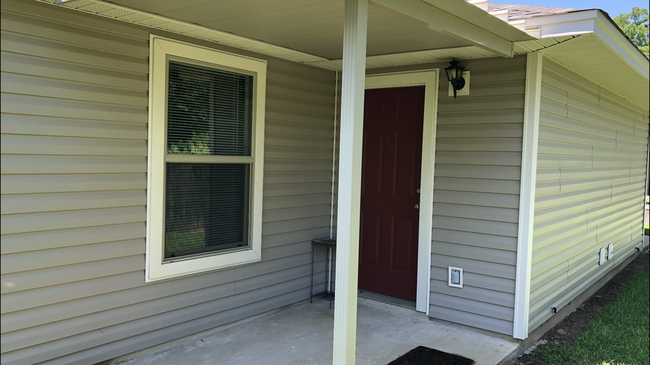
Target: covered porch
303,333
379,34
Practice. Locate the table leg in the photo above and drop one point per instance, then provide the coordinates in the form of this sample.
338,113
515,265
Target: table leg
311,285
330,251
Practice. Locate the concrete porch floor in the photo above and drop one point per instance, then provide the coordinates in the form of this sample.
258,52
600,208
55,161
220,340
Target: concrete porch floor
302,334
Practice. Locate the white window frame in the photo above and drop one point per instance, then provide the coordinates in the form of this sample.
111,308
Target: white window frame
161,50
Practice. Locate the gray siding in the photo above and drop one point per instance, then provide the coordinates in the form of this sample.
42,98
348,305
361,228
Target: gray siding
74,149
476,193
590,182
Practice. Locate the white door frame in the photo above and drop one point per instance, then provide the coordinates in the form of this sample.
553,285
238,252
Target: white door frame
428,79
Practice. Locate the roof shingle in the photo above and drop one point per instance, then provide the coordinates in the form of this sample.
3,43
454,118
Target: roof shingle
520,12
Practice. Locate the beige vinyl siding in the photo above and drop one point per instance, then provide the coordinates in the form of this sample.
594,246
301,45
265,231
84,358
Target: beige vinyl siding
591,172
74,161
476,193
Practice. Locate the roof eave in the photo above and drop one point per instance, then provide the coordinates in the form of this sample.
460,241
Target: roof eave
599,23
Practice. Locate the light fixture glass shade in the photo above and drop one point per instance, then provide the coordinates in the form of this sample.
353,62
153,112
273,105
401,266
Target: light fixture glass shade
451,73
455,76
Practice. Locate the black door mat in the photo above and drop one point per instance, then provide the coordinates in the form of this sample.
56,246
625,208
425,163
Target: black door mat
425,356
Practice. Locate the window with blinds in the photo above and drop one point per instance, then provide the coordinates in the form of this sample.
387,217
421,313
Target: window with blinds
207,161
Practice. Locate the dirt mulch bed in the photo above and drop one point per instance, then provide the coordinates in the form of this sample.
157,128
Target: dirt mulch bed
575,324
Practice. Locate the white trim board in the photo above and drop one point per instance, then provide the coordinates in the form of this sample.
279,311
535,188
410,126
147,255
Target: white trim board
527,194
428,78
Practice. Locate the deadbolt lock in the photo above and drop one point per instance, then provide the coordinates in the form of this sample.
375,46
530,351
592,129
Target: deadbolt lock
417,206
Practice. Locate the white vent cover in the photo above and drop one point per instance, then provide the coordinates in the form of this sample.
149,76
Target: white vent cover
602,255
610,251
455,277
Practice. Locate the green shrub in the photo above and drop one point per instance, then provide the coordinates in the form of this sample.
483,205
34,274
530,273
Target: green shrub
197,145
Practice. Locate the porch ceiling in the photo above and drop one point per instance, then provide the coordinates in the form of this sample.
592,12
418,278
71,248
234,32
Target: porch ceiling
311,32
401,32
310,26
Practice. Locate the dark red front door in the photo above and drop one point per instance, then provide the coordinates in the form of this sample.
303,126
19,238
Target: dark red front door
392,156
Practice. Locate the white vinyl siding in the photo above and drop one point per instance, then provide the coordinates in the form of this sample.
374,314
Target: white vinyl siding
591,173
74,151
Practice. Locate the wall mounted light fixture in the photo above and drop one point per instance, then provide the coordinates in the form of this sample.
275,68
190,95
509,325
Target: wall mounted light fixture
455,76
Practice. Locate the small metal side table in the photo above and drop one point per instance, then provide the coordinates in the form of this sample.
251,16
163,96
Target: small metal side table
330,244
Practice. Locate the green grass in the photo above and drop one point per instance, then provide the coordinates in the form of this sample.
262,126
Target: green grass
175,242
617,335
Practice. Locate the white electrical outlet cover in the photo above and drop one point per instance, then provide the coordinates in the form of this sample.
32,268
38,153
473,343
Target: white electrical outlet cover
601,256
610,251
455,277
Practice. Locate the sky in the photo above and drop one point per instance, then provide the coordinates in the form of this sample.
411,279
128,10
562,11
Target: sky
612,7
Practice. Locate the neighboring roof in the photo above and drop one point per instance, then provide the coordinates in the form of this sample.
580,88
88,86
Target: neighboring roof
521,12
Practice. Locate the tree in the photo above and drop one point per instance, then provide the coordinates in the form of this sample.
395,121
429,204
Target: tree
635,26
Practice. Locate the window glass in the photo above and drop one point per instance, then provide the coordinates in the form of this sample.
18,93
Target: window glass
206,204
208,111
205,208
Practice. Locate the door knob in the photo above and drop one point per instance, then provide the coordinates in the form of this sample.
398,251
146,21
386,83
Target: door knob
417,206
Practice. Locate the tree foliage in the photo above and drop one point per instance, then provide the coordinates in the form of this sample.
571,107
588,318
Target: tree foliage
635,26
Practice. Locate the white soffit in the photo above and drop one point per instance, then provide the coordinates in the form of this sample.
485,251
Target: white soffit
309,26
125,14
592,21
461,20
590,57
463,50
600,52
156,21
474,14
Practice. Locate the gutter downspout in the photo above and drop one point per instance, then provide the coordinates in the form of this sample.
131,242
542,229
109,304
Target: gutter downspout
336,110
646,192
330,252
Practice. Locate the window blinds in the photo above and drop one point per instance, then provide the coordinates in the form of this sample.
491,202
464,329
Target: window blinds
206,204
209,111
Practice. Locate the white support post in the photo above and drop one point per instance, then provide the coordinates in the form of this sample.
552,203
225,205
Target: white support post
347,253
527,194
